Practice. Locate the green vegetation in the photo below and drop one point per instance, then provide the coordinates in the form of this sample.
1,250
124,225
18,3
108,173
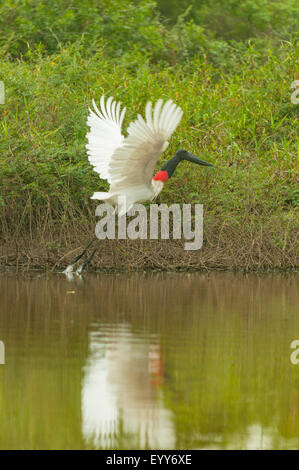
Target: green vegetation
229,68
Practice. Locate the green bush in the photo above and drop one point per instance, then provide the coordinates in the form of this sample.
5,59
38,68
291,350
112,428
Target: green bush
235,96
238,19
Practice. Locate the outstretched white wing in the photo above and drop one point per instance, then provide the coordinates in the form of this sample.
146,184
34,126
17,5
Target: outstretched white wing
134,161
105,134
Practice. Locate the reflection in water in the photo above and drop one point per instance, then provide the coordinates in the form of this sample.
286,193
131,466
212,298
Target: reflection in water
121,392
180,361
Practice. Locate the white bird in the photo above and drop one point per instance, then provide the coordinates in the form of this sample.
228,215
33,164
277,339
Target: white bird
128,163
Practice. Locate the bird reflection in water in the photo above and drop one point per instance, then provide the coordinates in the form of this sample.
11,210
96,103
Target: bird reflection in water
122,395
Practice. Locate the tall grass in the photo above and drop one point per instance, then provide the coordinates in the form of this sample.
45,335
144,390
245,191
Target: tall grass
237,115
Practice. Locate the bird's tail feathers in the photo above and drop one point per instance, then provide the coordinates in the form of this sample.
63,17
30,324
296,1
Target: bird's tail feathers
101,196
121,203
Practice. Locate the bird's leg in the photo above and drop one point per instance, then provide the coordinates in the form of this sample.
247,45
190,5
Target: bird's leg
88,260
70,267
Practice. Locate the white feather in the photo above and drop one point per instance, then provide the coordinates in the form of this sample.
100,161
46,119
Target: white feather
128,163
105,135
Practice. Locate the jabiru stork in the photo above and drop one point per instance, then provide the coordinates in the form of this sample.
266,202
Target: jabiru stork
128,163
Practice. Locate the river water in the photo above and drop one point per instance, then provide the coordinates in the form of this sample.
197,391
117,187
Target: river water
169,361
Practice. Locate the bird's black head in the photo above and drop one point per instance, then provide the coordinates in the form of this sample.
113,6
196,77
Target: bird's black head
181,155
184,155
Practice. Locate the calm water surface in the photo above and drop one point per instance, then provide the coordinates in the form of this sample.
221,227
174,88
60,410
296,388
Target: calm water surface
171,361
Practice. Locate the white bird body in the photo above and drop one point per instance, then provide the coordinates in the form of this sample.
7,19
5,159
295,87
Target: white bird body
128,163
131,195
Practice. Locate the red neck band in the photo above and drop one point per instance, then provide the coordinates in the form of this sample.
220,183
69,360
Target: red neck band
162,175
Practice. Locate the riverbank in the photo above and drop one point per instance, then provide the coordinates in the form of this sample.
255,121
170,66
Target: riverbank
238,115
224,247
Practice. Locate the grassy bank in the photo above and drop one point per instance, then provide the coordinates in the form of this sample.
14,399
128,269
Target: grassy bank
237,115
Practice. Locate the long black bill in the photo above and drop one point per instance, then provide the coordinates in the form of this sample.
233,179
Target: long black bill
196,160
